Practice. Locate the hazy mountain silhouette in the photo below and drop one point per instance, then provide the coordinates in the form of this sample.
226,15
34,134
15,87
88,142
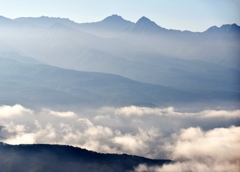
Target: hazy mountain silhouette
109,26
45,21
56,63
201,63
43,85
42,157
146,26
145,35
6,21
231,29
18,57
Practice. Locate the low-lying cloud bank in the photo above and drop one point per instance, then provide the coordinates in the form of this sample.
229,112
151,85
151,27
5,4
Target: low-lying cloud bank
201,141
170,111
13,111
196,150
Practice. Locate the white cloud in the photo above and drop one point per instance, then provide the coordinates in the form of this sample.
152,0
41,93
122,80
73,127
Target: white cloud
26,138
170,111
21,134
191,166
140,111
13,111
102,117
220,143
13,128
138,143
220,113
61,114
216,150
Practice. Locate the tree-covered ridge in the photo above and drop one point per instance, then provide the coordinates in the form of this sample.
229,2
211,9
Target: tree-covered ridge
43,157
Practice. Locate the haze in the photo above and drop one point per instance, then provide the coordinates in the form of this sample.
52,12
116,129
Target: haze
123,83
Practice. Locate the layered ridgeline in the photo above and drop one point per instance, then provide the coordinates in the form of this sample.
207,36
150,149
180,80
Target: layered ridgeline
203,66
54,67
44,85
41,157
123,39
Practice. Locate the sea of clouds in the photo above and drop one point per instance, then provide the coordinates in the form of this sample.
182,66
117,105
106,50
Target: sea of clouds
208,140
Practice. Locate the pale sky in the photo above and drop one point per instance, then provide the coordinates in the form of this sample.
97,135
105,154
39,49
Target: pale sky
193,15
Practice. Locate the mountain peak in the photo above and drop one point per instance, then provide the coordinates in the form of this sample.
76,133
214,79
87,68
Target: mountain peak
145,20
230,27
146,26
227,28
113,18
2,18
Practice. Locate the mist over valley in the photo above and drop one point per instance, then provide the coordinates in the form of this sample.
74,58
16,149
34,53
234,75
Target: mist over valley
169,99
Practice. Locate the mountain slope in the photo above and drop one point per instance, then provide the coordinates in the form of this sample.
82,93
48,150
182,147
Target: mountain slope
46,85
232,29
148,27
109,26
200,63
46,22
42,157
8,22
216,45
18,57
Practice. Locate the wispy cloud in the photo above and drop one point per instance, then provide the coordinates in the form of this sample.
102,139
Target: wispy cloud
220,113
170,111
60,114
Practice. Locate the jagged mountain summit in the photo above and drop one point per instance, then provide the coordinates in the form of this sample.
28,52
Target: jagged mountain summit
228,29
110,23
125,38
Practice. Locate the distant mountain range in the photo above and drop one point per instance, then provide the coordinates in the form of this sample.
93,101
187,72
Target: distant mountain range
58,64
46,86
117,36
217,45
114,23
203,66
42,157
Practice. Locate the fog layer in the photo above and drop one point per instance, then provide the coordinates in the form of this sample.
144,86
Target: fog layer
195,140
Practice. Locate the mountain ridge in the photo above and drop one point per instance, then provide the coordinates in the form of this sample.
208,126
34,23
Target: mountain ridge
232,29
179,60
44,157
109,18
40,84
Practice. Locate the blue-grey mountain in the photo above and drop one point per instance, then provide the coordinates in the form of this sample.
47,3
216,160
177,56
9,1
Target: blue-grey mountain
205,64
42,157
